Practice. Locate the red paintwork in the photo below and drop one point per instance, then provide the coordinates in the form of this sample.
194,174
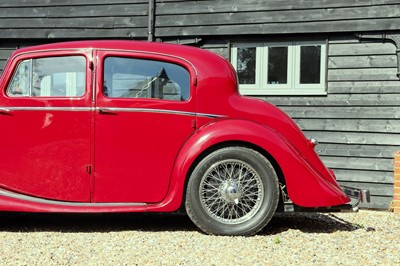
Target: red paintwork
56,160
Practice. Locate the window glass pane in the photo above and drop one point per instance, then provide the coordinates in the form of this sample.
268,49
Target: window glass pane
310,64
246,65
20,83
140,78
53,76
277,65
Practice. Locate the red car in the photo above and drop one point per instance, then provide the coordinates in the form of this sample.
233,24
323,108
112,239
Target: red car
124,126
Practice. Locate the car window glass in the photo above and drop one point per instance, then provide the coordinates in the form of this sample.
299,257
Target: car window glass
52,76
141,78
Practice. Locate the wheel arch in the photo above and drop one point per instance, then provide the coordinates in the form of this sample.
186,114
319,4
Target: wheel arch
235,143
214,136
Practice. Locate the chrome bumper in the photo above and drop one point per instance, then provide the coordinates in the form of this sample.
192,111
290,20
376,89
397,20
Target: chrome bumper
356,196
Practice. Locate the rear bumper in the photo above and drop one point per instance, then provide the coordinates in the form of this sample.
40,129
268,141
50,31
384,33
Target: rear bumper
356,195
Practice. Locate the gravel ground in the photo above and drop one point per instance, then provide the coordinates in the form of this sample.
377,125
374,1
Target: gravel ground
363,238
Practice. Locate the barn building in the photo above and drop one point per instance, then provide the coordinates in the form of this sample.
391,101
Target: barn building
333,66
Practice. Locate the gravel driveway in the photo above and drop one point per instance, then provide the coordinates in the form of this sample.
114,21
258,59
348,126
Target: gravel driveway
364,238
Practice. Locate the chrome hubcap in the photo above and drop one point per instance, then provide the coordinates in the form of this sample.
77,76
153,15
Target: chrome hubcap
231,191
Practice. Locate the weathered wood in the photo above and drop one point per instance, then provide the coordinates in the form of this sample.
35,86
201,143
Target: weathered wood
106,10
370,61
338,100
378,202
363,74
355,137
373,112
65,33
265,17
350,125
282,28
102,23
376,189
375,164
357,150
221,6
39,3
353,49
356,87
374,177
5,53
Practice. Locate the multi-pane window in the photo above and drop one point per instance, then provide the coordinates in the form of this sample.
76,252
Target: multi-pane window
52,76
289,68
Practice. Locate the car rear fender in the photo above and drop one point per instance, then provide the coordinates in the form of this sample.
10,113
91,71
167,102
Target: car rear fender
305,186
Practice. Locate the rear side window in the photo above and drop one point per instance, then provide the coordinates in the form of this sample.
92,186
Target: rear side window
52,76
141,78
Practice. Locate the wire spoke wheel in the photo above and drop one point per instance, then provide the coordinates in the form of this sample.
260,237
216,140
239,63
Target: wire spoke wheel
231,191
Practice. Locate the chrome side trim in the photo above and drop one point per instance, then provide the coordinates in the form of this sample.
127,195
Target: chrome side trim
13,195
147,110
45,108
111,109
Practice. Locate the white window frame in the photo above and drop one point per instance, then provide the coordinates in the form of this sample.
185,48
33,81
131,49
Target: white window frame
293,87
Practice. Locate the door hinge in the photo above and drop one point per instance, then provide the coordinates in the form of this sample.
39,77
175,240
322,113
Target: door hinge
89,169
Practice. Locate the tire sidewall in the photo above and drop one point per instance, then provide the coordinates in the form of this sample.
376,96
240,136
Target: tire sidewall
269,182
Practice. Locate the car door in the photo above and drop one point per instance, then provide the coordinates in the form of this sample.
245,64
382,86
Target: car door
45,126
144,113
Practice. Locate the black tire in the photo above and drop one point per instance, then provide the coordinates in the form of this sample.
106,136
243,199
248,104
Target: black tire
232,191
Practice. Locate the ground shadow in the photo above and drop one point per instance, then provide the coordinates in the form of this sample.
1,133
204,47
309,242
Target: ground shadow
154,222
110,222
308,223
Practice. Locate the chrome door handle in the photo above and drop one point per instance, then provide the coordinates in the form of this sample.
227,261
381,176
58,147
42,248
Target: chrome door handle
4,111
108,111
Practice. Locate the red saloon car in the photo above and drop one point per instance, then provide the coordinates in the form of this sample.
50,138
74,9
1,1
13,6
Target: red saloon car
125,126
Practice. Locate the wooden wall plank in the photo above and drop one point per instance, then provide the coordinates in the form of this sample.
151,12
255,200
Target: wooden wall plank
374,177
350,125
382,112
45,3
352,49
370,61
384,24
376,164
256,16
374,188
338,100
364,87
355,137
221,6
364,74
62,23
85,33
357,150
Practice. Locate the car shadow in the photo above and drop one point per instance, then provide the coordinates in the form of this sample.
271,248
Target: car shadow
308,223
158,222
110,222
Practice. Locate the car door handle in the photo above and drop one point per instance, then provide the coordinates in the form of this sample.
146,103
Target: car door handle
5,111
107,111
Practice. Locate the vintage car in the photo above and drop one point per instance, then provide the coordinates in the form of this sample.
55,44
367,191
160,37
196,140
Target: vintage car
126,126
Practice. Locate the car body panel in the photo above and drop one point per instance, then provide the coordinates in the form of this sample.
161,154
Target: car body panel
136,154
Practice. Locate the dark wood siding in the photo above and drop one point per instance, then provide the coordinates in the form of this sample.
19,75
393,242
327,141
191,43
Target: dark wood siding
43,19
5,51
358,122
220,17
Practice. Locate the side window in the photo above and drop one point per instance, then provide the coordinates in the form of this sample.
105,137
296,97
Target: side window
52,76
141,78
